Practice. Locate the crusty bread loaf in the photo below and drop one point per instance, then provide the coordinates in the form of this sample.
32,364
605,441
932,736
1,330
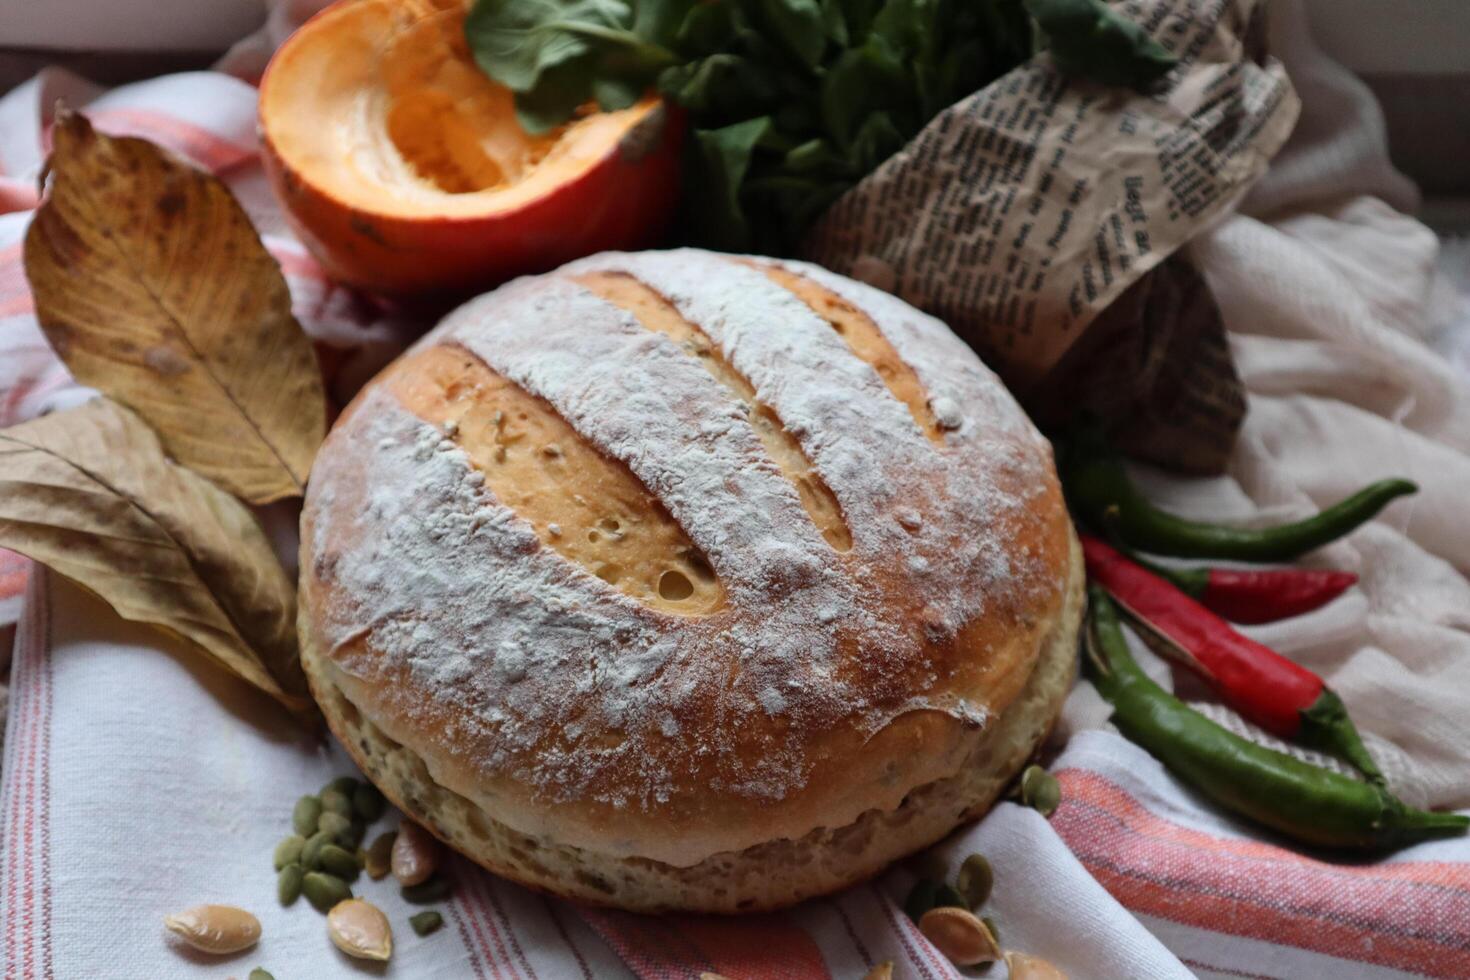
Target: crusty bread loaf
676,580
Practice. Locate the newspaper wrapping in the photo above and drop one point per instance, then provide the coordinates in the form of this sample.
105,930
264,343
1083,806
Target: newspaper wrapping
1039,218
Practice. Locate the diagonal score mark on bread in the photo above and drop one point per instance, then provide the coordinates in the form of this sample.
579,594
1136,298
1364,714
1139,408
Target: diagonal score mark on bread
587,507
656,313
864,339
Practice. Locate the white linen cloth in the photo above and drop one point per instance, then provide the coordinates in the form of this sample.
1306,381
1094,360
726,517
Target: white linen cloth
137,782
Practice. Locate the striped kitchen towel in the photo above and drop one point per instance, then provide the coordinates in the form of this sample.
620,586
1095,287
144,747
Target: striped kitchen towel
114,813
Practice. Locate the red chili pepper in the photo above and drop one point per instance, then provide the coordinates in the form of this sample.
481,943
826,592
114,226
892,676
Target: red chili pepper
1282,697
1257,595
1268,595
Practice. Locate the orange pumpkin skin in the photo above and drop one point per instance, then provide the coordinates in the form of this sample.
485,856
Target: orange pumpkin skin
623,198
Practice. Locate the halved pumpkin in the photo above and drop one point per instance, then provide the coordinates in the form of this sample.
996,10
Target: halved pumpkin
404,170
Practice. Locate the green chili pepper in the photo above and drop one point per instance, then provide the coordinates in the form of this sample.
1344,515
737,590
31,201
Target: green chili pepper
1302,801
1102,494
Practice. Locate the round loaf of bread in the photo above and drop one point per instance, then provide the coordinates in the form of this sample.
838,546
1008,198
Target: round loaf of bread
678,580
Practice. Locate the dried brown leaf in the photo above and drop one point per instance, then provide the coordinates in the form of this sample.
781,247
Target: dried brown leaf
89,493
153,287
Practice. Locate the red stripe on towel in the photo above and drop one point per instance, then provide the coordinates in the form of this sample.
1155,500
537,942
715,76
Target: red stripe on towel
1410,915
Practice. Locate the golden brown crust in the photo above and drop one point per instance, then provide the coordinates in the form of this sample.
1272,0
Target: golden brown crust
761,878
817,686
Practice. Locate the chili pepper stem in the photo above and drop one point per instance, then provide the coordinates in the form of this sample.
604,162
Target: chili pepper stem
1191,581
1326,726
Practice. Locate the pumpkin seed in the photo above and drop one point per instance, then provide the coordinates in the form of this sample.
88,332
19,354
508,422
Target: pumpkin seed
975,880
360,929
1026,967
288,883
962,938
921,898
341,828
336,801
379,860
433,890
304,817
990,924
426,922
415,854
311,853
368,802
946,896
1040,790
323,890
216,928
288,851
342,784
883,971
334,860
259,974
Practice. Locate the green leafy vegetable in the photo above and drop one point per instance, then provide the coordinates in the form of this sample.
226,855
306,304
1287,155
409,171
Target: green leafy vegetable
791,101
516,43
723,156
798,25
557,55
1091,39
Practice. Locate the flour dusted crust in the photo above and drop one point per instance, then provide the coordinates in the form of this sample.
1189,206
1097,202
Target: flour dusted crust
864,580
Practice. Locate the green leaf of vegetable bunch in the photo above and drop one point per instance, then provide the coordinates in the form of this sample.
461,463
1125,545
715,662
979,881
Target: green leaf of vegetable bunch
790,102
1091,39
559,54
720,159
